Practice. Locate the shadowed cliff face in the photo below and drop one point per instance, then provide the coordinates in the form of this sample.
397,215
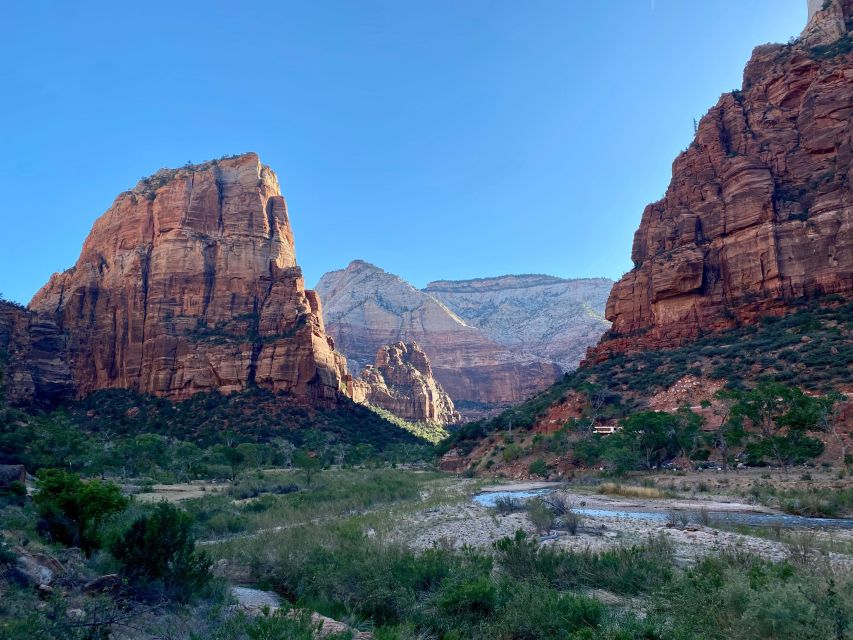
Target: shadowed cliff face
189,283
33,358
758,213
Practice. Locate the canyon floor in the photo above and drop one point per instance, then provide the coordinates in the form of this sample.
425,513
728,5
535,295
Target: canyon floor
349,552
697,512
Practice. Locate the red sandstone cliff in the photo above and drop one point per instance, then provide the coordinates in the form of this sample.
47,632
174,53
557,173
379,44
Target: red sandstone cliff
401,382
758,213
189,283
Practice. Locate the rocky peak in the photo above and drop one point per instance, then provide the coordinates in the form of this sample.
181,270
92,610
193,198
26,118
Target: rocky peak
189,282
829,21
401,354
367,308
401,382
552,318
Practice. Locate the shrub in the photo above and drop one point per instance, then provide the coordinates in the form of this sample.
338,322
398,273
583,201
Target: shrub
468,600
244,489
511,453
507,504
7,557
280,625
517,555
157,555
15,493
571,520
538,468
72,511
534,612
540,515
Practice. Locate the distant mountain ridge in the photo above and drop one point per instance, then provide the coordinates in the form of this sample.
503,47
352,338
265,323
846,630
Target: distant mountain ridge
464,328
549,317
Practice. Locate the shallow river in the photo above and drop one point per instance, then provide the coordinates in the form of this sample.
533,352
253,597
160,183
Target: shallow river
488,499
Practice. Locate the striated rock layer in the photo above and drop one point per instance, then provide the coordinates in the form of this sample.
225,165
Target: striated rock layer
189,283
552,318
367,308
401,382
758,213
33,357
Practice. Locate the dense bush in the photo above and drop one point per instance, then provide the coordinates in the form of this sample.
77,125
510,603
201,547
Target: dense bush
540,514
157,556
538,468
72,511
744,597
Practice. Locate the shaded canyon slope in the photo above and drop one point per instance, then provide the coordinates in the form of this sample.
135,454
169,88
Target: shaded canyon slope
482,368
189,283
553,318
401,381
757,217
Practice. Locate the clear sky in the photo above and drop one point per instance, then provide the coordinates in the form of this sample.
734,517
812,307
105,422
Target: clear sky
436,139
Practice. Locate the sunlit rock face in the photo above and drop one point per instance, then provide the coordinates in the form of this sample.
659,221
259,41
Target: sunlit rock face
758,214
401,381
189,283
828,21
552,318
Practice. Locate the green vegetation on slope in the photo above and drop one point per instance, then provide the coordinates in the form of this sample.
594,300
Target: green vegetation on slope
124,434
810,349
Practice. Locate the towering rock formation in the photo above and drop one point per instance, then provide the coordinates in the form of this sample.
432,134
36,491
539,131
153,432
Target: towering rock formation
189,283
401,382
758,213
551,318
367,308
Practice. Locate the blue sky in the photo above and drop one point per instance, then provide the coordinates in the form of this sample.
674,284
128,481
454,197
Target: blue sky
436,139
